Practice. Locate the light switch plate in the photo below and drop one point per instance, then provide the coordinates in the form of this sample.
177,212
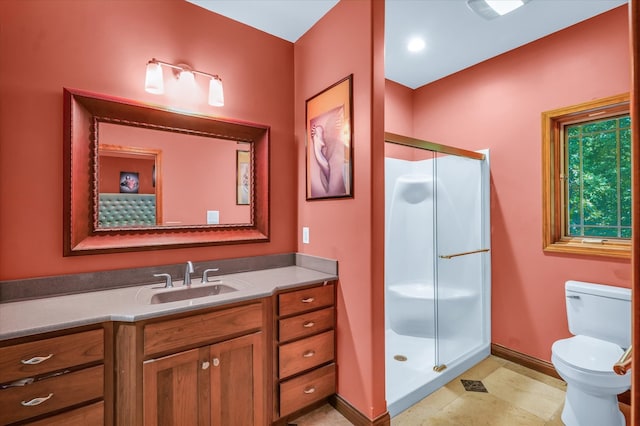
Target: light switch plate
305,235
213,217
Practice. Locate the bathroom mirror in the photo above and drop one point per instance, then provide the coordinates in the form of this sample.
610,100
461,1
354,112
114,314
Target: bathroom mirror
142,177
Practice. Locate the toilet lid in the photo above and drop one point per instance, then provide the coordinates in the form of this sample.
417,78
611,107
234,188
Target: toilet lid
588,353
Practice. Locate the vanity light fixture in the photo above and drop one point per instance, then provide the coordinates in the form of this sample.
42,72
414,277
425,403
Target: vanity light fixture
154,81
490,9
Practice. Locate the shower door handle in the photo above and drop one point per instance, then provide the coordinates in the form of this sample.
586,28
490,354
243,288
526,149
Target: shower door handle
464,253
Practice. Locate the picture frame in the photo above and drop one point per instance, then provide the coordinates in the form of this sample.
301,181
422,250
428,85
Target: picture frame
329,147
243,177
129,182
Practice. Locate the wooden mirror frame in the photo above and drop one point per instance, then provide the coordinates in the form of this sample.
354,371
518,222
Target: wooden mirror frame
82,113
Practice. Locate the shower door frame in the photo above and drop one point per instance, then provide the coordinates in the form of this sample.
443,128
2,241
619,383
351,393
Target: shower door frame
449,150
431,146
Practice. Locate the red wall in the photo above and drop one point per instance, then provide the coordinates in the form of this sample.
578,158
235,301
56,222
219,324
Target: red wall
103,47
398,104
497,105
349,39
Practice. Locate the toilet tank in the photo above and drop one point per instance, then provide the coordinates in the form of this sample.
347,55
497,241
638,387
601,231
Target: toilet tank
599,311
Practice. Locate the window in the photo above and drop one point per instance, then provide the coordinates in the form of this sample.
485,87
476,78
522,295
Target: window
587,178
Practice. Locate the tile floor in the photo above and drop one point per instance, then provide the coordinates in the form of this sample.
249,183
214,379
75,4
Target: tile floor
516,396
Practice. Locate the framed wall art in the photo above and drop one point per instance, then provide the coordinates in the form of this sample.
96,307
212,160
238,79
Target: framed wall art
329,149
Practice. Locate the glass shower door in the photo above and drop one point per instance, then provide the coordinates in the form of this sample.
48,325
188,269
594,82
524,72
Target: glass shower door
461,249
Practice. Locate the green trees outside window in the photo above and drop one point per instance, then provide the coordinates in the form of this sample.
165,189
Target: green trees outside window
598,178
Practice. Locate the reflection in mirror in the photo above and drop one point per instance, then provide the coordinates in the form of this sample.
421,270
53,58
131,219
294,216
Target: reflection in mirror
129,192
174,170
139,177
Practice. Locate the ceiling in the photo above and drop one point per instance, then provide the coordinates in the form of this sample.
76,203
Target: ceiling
456,38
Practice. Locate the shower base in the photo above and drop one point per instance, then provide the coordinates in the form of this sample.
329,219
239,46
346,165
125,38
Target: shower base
409,368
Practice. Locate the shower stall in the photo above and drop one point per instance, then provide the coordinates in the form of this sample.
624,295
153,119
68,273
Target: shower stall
437,266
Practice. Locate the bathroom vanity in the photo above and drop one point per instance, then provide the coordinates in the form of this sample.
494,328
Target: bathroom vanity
202,368
259,355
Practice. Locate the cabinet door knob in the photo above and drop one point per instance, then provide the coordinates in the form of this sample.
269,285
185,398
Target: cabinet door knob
308,324
308,354
205,365
36,360
216,362
308,300
36,401
309,390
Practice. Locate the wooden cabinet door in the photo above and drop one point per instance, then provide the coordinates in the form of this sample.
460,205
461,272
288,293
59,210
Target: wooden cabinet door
238,382
176,389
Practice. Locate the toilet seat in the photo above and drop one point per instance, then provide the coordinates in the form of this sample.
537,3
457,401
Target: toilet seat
588,354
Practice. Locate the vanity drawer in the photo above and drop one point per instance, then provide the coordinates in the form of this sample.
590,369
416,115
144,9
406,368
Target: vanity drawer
307,389
90,415
47,355
201,329
305,354
305,324
305,300
56,392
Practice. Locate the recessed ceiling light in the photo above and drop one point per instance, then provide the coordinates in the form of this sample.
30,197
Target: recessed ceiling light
490,9
416,44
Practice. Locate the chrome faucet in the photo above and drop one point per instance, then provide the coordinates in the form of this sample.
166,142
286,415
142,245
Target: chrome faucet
205,274
167,280
188,270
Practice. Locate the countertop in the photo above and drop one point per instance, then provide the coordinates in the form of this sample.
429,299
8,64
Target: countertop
129,304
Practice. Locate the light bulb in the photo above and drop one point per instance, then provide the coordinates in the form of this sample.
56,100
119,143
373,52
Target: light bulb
216,94
154,82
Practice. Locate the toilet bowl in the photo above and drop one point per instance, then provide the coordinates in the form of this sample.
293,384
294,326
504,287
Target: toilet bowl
600,319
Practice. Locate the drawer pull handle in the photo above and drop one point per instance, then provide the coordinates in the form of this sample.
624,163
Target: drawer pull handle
216,362
35,360
205,365
309,354
308,300
36,401
308,324
309,390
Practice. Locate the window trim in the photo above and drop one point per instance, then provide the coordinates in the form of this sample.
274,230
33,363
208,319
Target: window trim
553,219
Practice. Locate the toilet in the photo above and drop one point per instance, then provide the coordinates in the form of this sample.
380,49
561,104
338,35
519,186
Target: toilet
600,320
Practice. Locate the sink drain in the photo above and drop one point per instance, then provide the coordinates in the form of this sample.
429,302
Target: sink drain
400,358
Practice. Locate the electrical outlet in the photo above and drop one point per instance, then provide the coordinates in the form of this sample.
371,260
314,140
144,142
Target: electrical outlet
305,235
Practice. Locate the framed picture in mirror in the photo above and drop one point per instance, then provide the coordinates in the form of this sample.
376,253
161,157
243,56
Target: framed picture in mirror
129,182
243,177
